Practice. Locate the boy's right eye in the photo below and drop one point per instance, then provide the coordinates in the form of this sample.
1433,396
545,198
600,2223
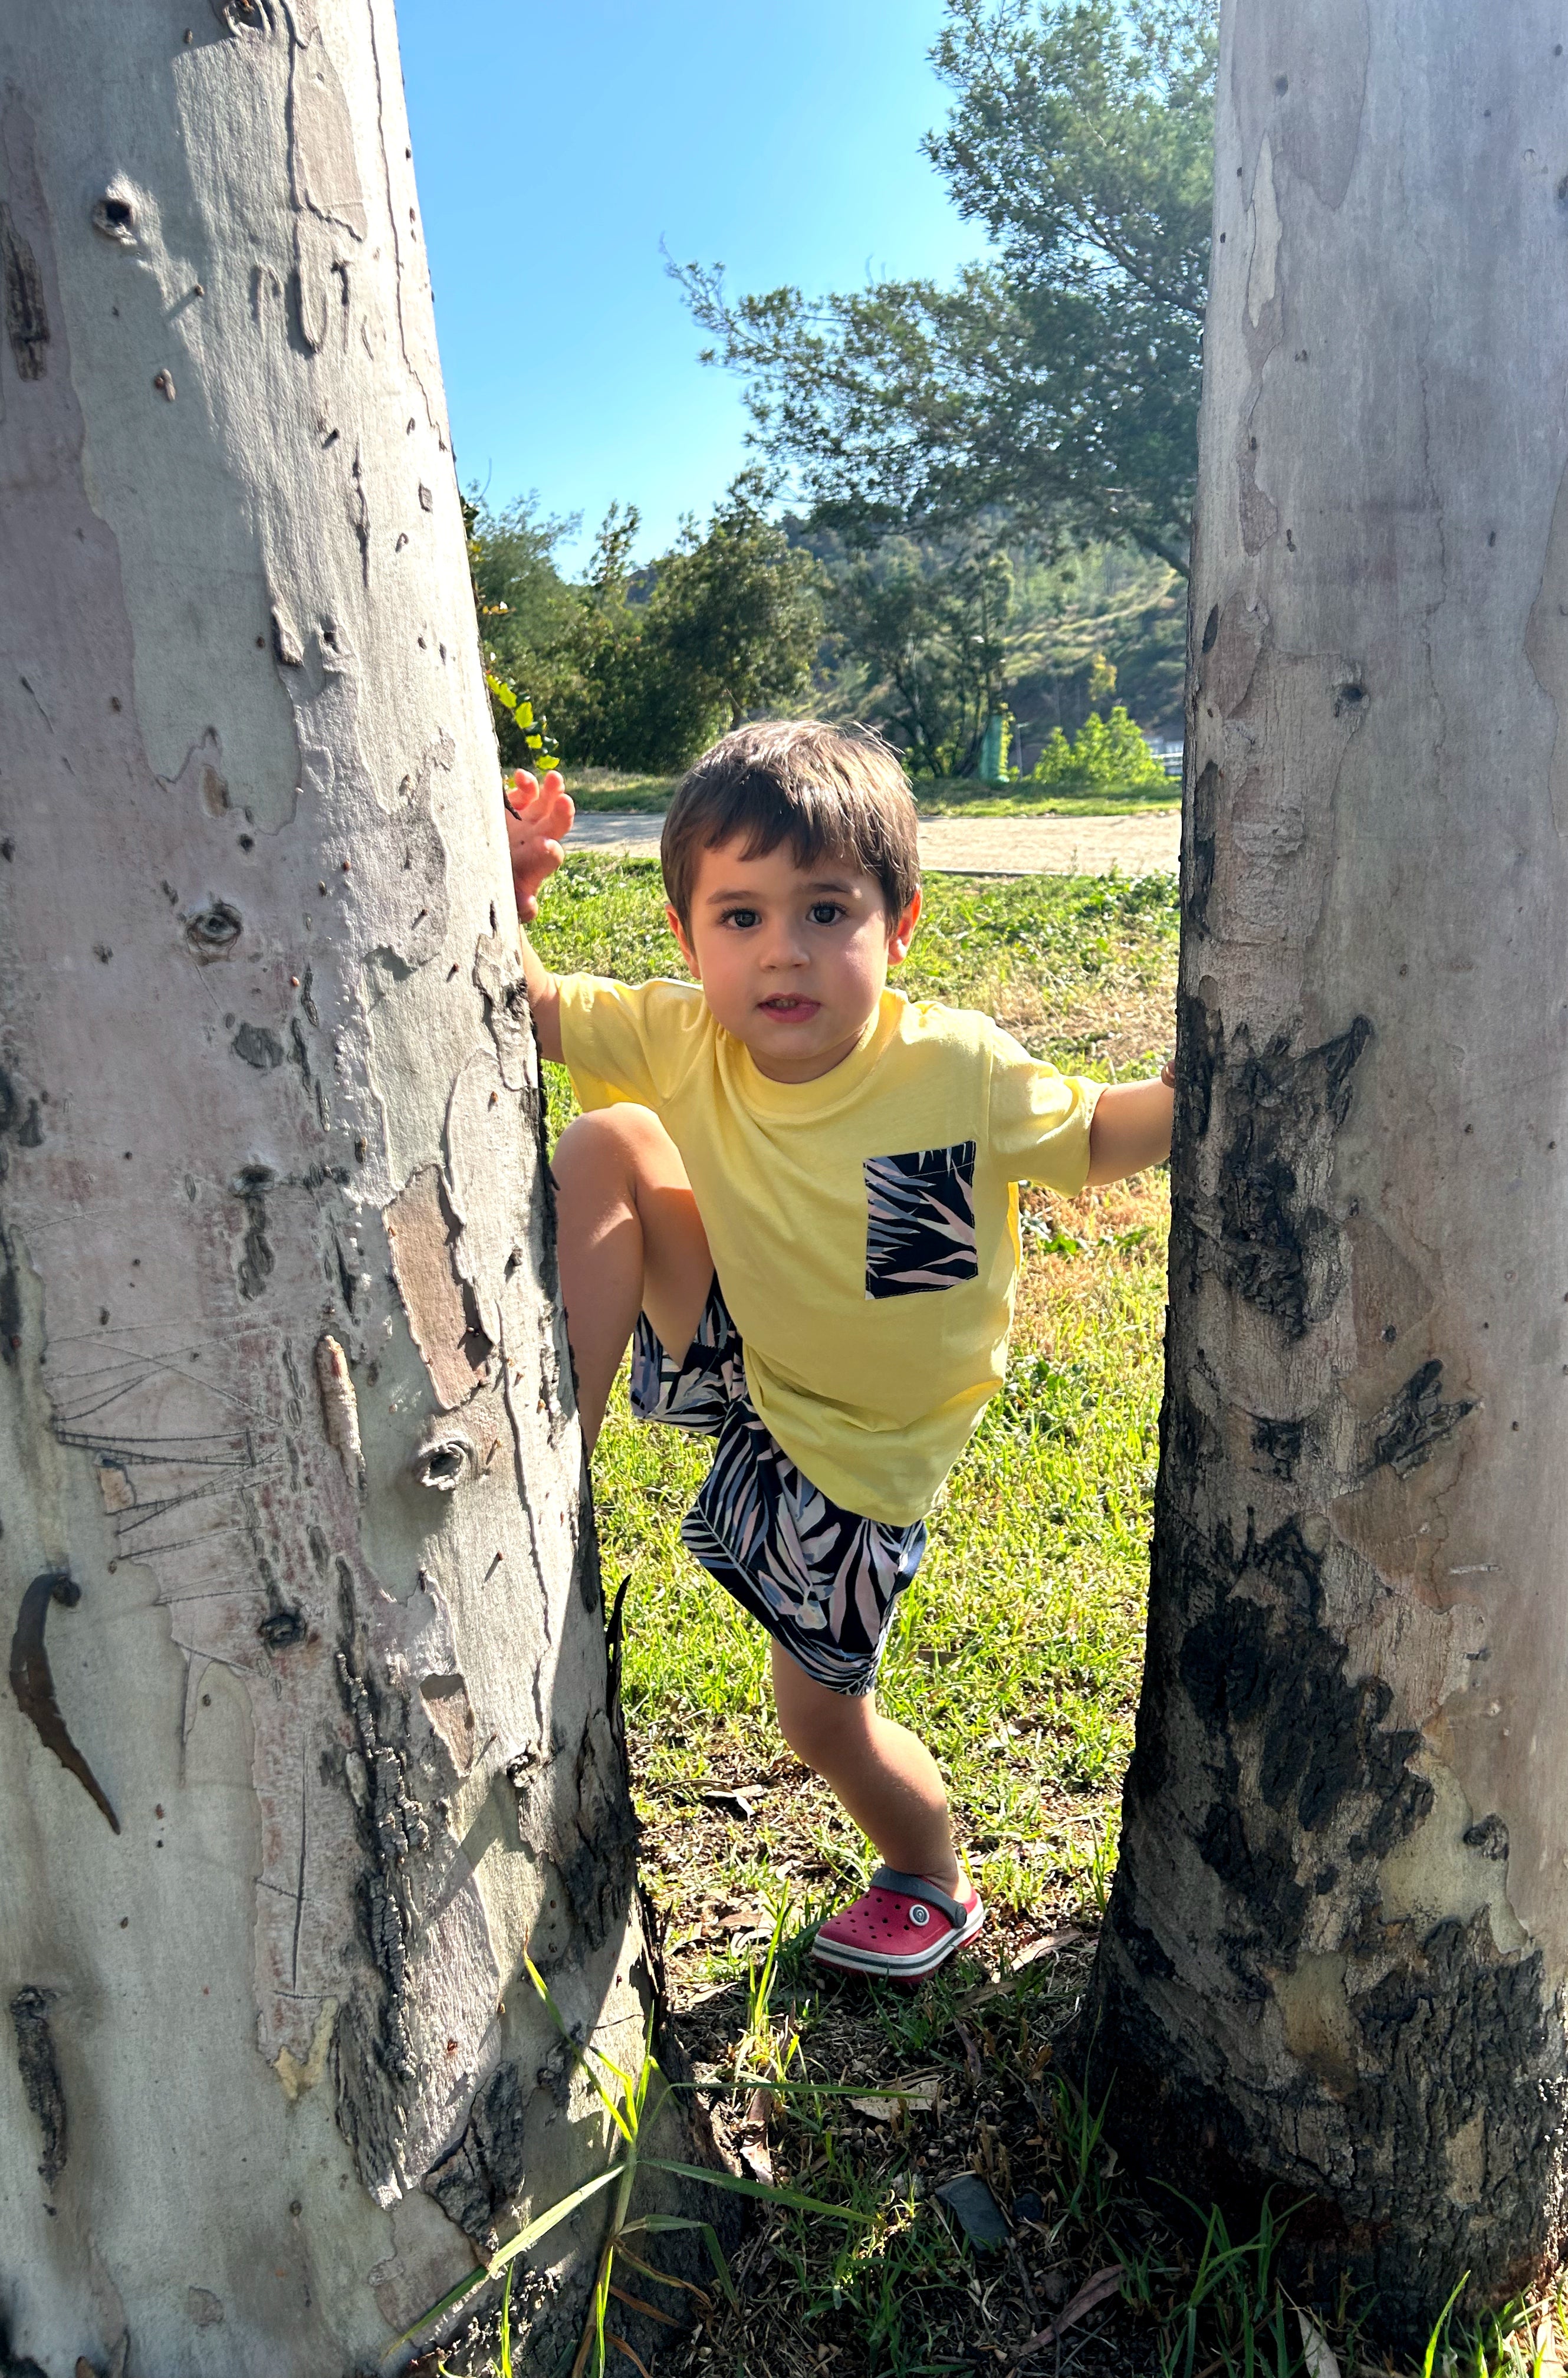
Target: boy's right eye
741,917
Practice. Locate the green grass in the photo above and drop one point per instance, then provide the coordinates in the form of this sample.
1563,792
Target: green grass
963,797
617,792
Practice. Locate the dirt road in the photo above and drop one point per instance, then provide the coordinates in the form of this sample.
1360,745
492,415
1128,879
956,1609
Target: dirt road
1139,846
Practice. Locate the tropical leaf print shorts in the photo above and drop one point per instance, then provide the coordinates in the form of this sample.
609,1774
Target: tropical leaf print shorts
822,1580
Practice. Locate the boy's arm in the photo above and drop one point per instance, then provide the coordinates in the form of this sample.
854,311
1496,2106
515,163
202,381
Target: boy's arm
544,1001
1131,1129
537,817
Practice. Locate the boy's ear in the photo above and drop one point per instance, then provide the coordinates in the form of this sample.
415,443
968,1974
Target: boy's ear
903,932
678,929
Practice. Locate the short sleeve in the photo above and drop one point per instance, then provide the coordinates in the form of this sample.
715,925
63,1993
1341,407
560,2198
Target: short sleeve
626,1040
1039,1119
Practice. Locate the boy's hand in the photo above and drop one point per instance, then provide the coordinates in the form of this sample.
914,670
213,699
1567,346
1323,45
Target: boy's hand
537,817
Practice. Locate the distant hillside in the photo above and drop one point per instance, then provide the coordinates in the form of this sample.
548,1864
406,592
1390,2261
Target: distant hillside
1101,624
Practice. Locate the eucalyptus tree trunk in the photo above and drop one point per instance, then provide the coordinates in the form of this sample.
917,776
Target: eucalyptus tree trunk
308,1731
1339,1934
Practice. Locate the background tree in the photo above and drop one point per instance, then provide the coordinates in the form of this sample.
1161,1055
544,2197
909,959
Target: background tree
1338,1939
640,666
616,699
737,612
1058,382
526,610
308,1729
927,638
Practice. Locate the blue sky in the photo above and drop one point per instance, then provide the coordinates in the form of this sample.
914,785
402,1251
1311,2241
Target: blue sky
555,146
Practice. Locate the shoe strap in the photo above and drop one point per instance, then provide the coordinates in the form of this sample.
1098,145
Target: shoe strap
914,1886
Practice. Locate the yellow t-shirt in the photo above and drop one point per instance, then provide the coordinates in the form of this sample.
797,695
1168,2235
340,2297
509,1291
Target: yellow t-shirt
864,1226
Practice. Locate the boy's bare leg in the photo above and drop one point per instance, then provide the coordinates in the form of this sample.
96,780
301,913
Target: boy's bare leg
630,1240
883,1775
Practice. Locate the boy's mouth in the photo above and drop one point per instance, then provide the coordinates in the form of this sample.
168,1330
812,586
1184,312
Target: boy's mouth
786,1009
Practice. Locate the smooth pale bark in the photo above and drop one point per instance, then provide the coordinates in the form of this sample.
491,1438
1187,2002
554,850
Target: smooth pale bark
298,1590
1339,1931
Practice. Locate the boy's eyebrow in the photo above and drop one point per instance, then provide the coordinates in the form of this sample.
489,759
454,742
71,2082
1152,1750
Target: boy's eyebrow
818,884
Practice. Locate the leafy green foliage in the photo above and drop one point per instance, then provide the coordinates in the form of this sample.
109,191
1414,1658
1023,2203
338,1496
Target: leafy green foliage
621,700
524,612
1102,620
528,729
931,640
1105,756
638,668
931,637
1061,382
737,612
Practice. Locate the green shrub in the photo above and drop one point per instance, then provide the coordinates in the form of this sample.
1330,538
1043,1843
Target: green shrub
1105,756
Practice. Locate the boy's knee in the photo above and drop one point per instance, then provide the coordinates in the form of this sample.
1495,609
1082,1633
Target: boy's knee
613,1140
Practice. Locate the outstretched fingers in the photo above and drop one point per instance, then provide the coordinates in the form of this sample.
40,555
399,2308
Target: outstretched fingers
543,809
538,815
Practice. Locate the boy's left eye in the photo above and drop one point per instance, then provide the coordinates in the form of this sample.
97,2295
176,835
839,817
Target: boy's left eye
824,912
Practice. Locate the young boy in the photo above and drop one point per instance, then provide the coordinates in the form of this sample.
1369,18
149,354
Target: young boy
795,1189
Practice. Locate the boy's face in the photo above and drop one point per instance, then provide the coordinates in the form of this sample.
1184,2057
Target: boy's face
792,960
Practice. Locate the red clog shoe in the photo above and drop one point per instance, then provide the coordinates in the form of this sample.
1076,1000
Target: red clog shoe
902,1927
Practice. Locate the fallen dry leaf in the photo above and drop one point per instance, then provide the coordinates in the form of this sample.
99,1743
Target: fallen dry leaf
921,2093
971,2055
1316,2351
1091,2295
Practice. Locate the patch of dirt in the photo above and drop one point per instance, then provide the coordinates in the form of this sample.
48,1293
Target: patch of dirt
1123,1027
1059,846
976,2051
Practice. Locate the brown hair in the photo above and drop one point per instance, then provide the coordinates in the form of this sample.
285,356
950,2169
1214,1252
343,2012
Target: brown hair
830,792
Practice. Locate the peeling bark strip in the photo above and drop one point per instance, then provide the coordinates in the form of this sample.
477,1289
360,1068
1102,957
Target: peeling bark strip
439,1301
26,324
34,1687
41,2086
340,1410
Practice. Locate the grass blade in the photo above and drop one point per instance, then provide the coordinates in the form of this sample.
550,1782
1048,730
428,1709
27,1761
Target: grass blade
506,2355
1435,2340
622,2347
640,2303
449,2303
769,2196
659,2224
584,2055
665,2278
547,2221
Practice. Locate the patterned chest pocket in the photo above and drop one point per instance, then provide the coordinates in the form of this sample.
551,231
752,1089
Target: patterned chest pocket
920,1220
